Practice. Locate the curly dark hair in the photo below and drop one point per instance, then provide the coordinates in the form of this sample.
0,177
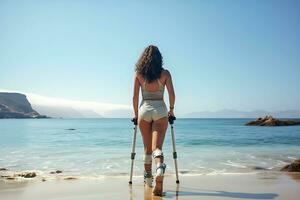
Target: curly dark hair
149,65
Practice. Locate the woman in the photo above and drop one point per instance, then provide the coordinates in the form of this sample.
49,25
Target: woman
152,114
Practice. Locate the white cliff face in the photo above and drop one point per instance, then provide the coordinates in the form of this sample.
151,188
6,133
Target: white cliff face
60,107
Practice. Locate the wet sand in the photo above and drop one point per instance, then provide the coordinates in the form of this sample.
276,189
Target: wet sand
250,186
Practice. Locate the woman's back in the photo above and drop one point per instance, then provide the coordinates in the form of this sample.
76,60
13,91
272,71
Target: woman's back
155,89
158,94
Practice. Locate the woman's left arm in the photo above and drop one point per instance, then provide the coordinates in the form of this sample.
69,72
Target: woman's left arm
135,98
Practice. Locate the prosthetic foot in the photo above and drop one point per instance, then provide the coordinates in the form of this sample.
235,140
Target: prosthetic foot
159,177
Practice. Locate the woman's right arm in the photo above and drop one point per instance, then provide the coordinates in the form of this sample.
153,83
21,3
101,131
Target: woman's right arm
171,92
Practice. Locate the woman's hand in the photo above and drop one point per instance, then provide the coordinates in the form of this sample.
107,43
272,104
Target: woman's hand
171,112
134,120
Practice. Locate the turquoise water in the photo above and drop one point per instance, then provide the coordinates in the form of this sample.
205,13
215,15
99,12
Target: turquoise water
100,147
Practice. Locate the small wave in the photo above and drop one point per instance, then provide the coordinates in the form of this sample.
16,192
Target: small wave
280,162
232,164
291,157
251,156
16,152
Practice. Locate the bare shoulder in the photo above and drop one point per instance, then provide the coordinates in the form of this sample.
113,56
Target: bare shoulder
166,74
137,76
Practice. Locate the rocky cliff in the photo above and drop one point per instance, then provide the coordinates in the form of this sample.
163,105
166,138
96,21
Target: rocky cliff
16,105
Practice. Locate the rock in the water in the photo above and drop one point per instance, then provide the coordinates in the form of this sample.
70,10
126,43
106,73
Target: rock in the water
56,172
70,178
270,121
259,168
293,167
27,174
3,169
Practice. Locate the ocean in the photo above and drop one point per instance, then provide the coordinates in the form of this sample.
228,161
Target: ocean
95,148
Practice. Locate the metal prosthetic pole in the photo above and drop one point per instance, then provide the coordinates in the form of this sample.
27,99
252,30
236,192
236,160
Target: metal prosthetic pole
171,121
134,120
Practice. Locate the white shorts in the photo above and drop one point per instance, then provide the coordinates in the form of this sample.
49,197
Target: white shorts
152,110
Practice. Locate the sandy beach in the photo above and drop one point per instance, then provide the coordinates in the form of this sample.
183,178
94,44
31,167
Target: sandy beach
229,186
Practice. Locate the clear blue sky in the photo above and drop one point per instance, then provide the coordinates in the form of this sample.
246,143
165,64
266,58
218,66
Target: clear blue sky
222,54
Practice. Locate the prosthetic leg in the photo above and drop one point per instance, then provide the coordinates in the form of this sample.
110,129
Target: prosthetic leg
148,174
160,171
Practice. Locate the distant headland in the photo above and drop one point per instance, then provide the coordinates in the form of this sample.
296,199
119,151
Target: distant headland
16,105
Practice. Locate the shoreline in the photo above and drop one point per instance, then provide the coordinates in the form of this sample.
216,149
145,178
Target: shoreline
19,176
238,186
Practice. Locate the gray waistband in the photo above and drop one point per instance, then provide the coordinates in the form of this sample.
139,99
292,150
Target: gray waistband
153,99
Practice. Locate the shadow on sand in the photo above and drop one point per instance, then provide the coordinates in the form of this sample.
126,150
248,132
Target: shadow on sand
234,195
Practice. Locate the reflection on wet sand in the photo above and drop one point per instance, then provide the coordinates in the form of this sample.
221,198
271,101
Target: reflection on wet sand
194,192
148,195
294,175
